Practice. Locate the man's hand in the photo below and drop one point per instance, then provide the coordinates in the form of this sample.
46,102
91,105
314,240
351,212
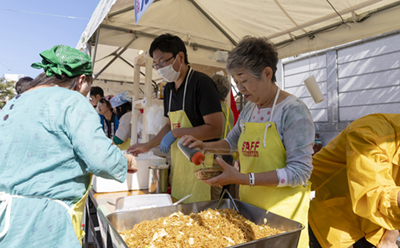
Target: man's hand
138,148
389,239
166,142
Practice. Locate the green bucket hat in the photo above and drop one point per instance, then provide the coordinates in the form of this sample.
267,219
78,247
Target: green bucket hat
65,60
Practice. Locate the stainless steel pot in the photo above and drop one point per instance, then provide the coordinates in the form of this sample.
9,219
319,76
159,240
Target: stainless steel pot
288,239
158,179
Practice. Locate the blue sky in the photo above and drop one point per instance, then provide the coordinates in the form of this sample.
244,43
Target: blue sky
29,27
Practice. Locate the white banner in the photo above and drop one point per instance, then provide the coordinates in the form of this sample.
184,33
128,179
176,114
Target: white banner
140,7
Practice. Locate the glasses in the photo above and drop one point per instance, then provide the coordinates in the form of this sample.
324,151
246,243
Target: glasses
161,64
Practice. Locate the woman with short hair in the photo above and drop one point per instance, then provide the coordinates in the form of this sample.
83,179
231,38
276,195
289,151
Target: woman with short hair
274,136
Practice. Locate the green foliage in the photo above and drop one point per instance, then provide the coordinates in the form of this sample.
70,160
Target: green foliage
6,91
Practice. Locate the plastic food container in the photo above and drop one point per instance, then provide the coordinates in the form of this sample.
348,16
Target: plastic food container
216,169
207,173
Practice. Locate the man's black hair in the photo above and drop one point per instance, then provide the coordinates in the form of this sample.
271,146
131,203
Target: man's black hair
23,84
96,90
168,43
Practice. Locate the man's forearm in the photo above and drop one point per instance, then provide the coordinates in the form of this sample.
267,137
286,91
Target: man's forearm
156,140
203,132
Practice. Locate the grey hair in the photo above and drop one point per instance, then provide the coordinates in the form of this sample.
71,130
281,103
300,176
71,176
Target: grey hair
253,54
223,86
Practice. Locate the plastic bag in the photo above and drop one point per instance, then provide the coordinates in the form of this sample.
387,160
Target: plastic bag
155,119
140,128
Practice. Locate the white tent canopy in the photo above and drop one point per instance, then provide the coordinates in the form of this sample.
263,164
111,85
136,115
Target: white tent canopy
294,26
212,28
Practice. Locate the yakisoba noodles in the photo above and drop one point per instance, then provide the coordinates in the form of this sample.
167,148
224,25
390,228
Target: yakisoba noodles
210,228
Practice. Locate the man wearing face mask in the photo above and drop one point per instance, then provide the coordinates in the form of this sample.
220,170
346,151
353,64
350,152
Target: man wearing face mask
192,107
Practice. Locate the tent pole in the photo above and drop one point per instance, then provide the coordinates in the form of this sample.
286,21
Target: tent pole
214,22
135,99
121,11
127,62
140,33
334,25
116,56
95,47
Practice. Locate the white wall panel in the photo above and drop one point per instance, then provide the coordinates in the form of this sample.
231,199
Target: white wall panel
305,64
369,97
298,79
388,44
353,113
302,91
320,115
369,65
369,81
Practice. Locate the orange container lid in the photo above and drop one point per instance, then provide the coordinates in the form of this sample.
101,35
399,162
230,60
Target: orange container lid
198,158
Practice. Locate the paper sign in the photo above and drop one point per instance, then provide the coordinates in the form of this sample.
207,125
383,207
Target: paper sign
140,7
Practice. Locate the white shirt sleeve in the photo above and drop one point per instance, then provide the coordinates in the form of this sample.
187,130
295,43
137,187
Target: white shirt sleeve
124,127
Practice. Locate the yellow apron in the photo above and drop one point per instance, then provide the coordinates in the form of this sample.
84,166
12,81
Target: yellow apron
125,145
183,180
76,211
260,150
228,126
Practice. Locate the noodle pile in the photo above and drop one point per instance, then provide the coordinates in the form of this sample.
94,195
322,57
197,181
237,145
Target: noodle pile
210,228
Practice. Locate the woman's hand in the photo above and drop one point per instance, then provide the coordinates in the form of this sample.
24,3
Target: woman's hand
138,148
389,239
192,142
132,164
229,176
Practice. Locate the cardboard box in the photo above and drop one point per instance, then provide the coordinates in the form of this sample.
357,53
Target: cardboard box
139,180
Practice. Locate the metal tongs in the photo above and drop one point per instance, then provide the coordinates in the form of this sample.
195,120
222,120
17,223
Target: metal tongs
230,197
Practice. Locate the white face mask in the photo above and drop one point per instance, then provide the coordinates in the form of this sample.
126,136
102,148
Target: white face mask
168,72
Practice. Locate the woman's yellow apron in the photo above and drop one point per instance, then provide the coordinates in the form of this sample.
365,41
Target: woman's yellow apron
260,150
76,211
183,180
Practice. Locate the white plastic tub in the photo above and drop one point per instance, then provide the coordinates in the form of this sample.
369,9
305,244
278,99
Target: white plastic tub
139,180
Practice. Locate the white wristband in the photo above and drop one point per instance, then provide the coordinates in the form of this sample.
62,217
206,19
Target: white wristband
252,179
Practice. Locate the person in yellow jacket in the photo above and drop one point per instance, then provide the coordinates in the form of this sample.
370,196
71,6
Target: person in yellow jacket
274,136
356,179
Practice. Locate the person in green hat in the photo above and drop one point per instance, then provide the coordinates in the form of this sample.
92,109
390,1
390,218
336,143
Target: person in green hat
52,142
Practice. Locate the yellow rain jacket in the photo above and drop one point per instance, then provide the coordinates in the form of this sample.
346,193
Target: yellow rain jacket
356,181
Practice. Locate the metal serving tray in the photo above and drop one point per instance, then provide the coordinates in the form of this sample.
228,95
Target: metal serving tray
121,221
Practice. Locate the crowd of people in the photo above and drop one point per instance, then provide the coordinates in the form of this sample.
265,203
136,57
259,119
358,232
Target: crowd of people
54,140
